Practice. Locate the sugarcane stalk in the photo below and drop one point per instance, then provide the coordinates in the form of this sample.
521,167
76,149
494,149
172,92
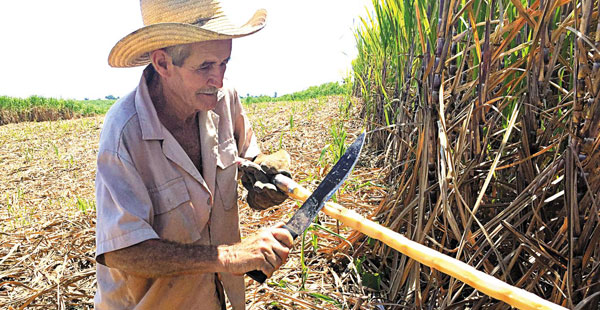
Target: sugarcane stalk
479,280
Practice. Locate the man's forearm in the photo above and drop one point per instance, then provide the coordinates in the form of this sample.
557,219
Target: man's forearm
265,250
159,258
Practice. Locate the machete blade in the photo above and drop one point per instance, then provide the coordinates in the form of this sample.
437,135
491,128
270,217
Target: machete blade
302,219
315,202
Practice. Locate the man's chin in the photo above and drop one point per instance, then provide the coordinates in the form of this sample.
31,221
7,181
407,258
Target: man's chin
207,102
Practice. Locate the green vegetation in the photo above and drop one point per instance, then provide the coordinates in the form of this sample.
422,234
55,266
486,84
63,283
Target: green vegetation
327,89
83,107
35,108
486,117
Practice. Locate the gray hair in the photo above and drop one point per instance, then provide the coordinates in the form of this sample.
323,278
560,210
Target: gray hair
179,53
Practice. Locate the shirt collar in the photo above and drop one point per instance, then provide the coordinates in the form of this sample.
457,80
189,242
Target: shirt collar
152,128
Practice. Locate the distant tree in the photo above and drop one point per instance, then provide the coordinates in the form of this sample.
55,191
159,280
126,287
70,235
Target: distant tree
110,97
275,96
86,99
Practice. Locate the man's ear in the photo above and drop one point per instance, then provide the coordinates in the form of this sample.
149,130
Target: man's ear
161,62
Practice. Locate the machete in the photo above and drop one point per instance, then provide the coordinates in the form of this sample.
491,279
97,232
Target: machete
302,219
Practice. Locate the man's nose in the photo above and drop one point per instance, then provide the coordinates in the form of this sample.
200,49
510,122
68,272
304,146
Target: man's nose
215,82
215,78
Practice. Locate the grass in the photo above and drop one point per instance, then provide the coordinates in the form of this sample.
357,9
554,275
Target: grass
83,107
313,92
50,161
35,108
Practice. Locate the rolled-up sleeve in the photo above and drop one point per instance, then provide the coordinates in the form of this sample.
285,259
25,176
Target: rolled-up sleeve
246,140
124,209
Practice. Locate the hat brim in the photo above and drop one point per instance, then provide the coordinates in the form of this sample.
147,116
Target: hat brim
135,48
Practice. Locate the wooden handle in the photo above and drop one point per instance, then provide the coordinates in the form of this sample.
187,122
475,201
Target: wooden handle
481,281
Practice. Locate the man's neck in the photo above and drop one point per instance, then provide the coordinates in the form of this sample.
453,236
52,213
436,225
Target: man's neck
170,111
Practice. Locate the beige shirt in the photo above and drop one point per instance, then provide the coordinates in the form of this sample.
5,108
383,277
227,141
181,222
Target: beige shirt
148,188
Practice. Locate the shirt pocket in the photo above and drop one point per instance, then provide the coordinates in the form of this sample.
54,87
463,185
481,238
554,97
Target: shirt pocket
227,174
174,217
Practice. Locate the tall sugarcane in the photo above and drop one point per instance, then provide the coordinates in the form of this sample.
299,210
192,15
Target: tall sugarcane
540,210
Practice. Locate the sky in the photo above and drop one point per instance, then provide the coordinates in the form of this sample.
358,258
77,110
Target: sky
60,48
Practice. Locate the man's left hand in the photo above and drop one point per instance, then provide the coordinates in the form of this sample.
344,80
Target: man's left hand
258,176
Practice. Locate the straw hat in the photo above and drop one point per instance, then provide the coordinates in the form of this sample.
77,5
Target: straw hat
173,22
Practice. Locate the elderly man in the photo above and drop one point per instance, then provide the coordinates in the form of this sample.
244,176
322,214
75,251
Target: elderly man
167,220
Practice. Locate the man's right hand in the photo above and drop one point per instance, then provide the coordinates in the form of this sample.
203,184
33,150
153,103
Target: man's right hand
266,251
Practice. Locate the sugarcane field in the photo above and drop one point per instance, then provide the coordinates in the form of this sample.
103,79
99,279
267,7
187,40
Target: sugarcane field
456,165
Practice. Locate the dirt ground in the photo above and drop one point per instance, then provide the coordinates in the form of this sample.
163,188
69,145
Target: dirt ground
47,212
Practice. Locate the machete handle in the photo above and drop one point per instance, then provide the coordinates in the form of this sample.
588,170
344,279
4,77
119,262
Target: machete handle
287,185
257,276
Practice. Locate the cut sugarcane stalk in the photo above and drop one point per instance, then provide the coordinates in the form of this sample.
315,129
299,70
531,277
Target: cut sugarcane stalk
479,280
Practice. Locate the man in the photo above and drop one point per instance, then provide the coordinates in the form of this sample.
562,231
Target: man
167,231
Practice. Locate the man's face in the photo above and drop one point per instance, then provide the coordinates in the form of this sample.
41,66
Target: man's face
197,81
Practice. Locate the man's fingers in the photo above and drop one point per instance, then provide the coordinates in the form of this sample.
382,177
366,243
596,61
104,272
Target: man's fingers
270,191
259,186
254,171
266,251
277,253
282,251
286,173
249,166
283,236
247,181
260,176
273,259
269,169
262,196
272,171
276,196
